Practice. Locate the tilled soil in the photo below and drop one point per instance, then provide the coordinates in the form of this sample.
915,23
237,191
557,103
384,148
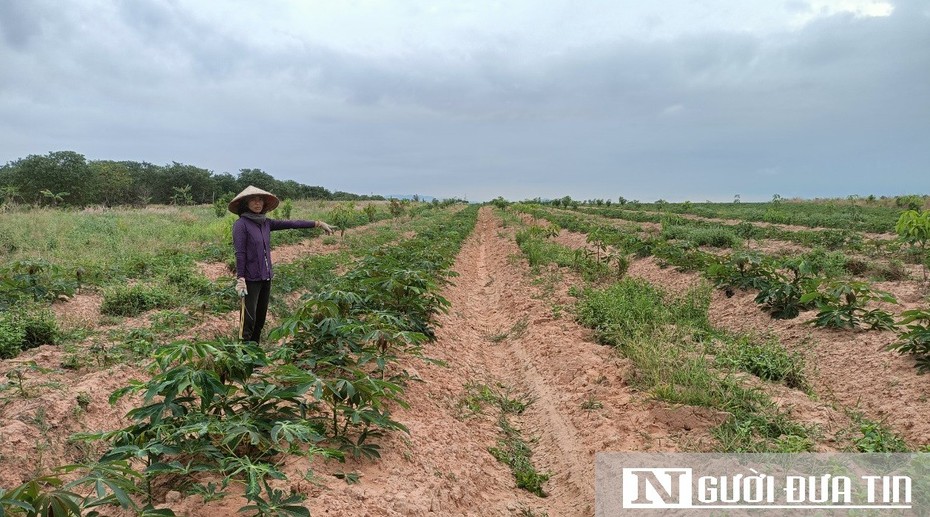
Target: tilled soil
849,367
505,329
443,466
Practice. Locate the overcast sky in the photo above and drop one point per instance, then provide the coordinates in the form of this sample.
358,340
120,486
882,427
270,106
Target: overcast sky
670,99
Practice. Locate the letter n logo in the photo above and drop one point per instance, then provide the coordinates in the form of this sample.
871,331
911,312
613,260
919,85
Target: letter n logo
656,488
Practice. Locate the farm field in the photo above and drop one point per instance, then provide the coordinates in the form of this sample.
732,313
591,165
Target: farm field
447,360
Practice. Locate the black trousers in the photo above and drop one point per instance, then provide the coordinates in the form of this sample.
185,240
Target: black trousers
253,308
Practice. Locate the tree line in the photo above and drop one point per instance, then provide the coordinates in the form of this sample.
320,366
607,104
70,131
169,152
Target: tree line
66,178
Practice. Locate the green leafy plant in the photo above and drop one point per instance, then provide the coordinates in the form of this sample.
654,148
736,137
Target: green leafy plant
221,204
277,504
182,196
913,227
287,207
341,215
396,208
914,339
878,438
26,326
36,280
514,452
371,211
54,198
782,296
843,304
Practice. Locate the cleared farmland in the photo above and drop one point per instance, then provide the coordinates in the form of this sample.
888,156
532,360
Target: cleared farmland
449,360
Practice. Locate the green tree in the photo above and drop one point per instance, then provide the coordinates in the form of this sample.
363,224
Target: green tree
371,211
913,227
60,171
225,183
182,196
112,182
341,215
396,208
257,178
198,182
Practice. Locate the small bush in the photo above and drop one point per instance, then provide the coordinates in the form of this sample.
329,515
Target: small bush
134,300
714,237
767,360
893,271
856,266
12,336
26,327
40,327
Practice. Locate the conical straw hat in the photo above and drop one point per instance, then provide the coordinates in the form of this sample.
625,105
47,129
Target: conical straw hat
271,201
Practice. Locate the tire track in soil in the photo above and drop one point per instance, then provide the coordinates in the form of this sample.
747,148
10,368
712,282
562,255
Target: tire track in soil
559,364
566,464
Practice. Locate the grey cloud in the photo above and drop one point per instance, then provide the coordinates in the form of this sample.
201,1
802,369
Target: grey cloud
840,98
20,23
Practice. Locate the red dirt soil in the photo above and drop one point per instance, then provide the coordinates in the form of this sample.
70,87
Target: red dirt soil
443,466
851,368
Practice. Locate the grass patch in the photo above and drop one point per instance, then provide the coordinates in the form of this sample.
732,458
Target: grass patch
134,300
766,359
662,336
871,436
713,237
478,395
513,451
540,252
515,331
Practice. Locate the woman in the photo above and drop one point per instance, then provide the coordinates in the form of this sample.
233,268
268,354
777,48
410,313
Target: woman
252,242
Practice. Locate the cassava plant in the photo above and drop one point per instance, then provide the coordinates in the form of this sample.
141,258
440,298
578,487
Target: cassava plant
913,227
782,294
844,304
914,339
341,215
371,211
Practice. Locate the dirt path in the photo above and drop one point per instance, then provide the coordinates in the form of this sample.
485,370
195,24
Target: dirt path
556,362
443,467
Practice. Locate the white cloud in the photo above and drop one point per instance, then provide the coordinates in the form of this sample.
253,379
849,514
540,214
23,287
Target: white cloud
669,111
816,9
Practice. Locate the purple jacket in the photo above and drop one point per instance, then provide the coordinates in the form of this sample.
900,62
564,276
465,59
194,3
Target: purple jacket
252,243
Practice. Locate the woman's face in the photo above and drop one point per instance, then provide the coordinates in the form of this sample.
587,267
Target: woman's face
256,204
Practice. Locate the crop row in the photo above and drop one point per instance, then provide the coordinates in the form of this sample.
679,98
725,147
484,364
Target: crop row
786,286
222,412
681,358
866,218
831,238
141,281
